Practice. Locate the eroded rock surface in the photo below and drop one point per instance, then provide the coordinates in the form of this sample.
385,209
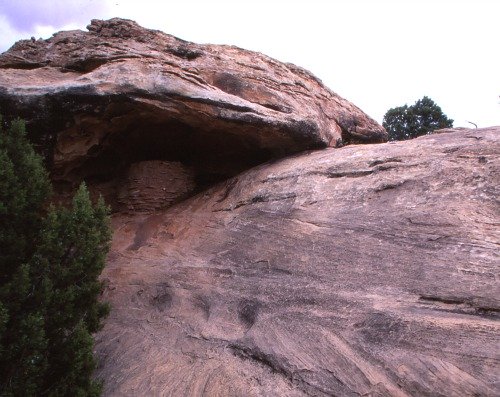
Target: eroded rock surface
363,270
153,185
366,270
120,94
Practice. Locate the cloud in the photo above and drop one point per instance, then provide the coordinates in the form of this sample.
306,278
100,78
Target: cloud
22,19
10,35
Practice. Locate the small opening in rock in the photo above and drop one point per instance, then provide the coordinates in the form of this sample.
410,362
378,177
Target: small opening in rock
87,65
185,53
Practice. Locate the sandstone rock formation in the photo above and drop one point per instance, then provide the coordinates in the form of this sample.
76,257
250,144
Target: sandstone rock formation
367,270
152,185
362,270
119,94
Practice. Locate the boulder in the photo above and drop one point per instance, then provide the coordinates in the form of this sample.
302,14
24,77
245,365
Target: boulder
365,270
118,94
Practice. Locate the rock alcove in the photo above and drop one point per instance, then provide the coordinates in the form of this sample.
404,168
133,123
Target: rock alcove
113,142
141,159
119,100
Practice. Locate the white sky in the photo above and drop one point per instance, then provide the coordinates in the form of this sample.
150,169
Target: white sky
378,54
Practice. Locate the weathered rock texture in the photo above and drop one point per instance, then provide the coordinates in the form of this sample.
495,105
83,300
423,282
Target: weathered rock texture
367,270
118,94
152,185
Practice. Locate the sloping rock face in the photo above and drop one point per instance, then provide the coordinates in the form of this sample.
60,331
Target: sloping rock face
362,270
366,270
119,94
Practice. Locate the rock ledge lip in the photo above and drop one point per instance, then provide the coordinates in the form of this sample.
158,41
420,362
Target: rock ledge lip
100,100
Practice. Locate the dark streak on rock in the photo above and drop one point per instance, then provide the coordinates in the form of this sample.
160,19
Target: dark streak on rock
465,305
390,185
229,187
449,301
383,161
341,174
259,199
248,311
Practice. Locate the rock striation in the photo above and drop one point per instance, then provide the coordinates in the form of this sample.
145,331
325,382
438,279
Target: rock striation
119,94
254,252
366,270
153,185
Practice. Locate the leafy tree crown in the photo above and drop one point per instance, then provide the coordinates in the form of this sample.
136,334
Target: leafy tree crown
407,122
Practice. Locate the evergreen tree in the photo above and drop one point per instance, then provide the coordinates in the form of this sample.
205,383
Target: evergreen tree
24,187
73,249
50,261
407,122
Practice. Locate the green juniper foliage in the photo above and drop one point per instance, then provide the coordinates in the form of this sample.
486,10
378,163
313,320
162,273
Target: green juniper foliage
407,122
50,260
